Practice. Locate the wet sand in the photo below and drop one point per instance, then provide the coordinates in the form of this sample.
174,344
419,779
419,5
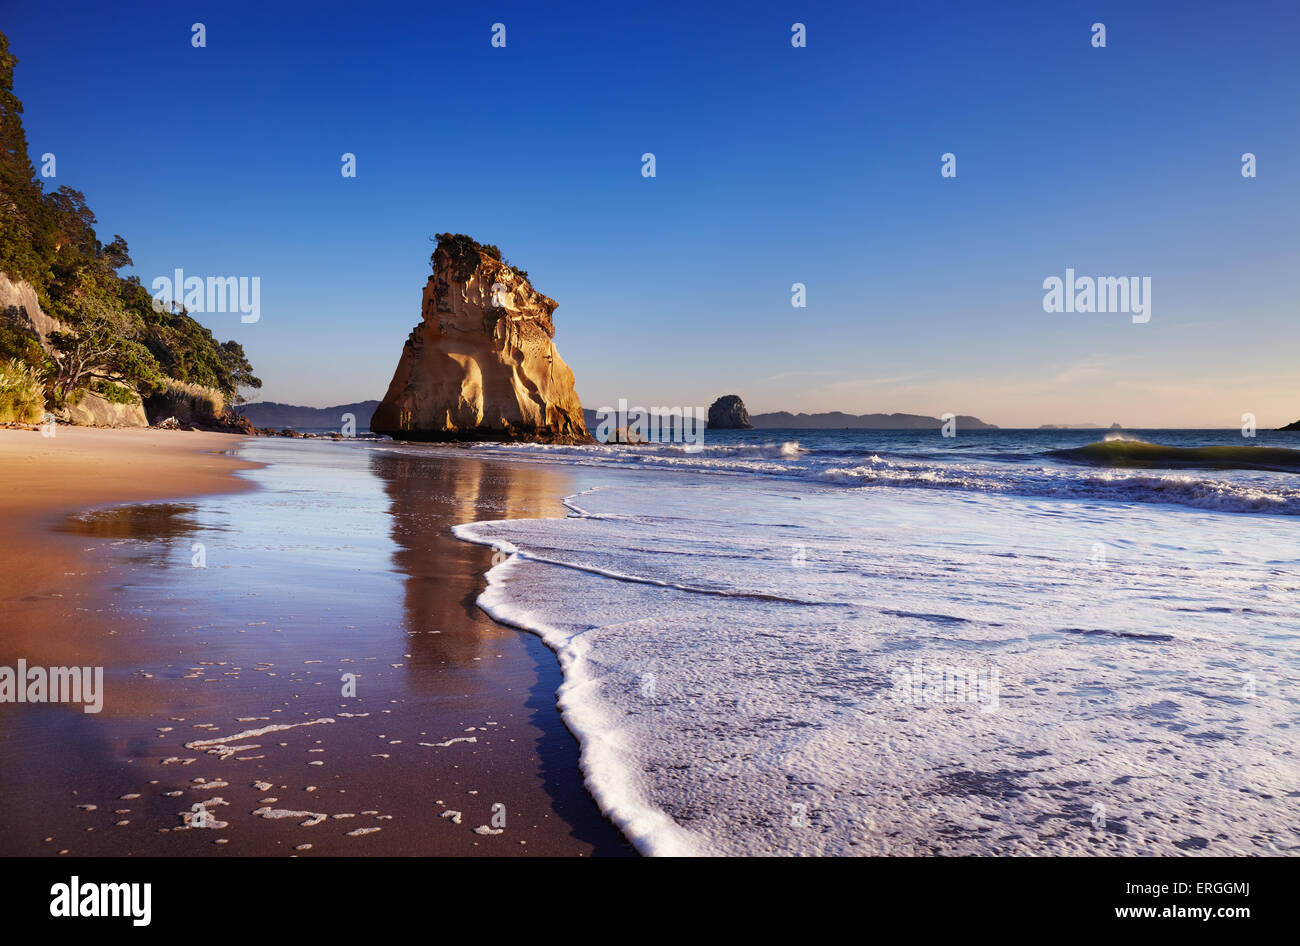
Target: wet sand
226,624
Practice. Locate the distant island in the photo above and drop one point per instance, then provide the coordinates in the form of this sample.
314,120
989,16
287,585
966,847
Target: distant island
836,420
273,414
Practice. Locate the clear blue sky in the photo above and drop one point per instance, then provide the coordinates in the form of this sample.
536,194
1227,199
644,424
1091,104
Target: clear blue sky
775,165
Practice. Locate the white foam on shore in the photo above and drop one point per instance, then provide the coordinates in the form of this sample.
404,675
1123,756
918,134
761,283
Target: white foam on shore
604,759
729,701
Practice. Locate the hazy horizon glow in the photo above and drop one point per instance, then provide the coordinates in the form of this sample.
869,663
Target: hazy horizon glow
775,166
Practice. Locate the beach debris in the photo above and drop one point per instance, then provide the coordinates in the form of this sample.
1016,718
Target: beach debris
443,745
455,816
272,814
199,815
358,832
484,829
219,746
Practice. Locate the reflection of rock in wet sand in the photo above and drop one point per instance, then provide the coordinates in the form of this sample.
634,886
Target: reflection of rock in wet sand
443,574
147,522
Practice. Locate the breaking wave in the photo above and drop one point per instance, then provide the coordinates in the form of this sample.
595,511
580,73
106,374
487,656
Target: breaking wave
1059,474
1125,452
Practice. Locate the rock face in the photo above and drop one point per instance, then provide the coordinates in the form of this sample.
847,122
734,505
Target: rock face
482,364
18,303
728,413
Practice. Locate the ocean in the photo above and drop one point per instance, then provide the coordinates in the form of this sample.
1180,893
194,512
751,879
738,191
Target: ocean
889,642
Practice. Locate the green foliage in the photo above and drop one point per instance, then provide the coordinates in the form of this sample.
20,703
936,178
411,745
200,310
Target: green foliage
19,342
49,240
459,245
114,393
22,393
466,253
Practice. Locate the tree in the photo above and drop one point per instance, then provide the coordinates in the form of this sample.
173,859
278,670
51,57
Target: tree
102,347
20,191
241,372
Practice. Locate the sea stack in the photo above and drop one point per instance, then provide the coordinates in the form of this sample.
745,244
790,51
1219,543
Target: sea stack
482,364
728,413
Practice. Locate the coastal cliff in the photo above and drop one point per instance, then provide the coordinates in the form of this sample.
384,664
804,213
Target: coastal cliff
20,308
482,365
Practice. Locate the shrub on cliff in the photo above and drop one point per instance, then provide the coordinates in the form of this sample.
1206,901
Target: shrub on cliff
20,342
115,393
188,403
22,393
466,253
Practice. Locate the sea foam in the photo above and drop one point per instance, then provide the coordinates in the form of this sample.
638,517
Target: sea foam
734,651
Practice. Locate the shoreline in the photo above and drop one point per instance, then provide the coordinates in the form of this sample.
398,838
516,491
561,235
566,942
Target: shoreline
92,588
45,482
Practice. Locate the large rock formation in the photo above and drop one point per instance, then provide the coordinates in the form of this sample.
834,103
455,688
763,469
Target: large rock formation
728,413
19,305
482,365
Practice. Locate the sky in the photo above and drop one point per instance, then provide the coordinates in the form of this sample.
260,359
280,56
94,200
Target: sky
774,165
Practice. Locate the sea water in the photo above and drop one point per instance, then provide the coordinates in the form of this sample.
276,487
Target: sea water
843,642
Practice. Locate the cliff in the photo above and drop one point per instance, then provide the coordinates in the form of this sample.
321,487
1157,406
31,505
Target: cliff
19,307
482,364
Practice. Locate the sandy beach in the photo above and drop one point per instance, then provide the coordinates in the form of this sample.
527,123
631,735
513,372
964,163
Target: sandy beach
47,479
225,680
